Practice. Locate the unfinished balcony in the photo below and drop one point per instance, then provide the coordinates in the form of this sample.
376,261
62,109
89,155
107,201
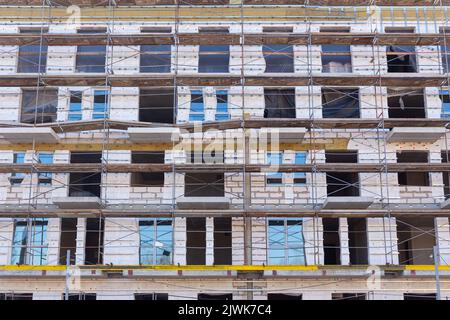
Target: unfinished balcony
415,134
27,135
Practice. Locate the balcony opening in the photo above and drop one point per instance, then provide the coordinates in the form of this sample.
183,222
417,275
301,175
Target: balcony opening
209,184
413,178
342,184
331,241
406,103
147,179
279,103
95,229
33,57
156,105
340,103
416,239
357,241
336,58
91,59
68,240
222,241
155,58
283,296
151,296
446,175
196,241
29,243
85,184
279,58
39,106
215,296
348,296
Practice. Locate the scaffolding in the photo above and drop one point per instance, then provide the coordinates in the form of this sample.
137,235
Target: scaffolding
371,132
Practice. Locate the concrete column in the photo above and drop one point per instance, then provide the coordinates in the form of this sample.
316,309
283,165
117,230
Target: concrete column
121,241
259,243
237,240
179,236
443,234
316,295
53,240
44,295
382,241
343,236
313,236
125,60
254,62
124,104
115,296
81,237
209,252
9,56
61,59
60,181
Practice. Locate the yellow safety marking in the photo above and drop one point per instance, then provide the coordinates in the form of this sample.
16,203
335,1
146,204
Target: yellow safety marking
425,267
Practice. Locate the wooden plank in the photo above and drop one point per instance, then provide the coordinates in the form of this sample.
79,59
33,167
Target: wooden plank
251,168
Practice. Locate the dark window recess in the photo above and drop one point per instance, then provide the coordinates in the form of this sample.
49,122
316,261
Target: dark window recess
413,178
279,58
340,103
278,29
204,184
331,241
279,103
155,58
348,296
419,296
283,296
156,106
446,174
406,103
342,184
357,241
213,30
213,59
401,59
222,241
205,156
336,58
68,240
156,30
151,296
196,241
85,184
82,296
215,296
147,179
39,106
335,29
16,296
416,239
93,251
91,58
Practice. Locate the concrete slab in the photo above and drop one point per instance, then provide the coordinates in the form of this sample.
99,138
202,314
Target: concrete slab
415,134
284,135
146,135
203,203
77,202
347,203
445,204
27,135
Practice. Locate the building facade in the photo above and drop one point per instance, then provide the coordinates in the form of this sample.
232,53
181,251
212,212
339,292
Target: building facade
224,150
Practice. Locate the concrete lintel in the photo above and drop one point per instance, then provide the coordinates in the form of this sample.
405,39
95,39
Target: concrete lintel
27,135
347,202
78,202
203,203
415,134
153,135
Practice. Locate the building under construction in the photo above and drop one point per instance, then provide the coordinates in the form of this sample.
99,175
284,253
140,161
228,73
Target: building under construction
224,149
